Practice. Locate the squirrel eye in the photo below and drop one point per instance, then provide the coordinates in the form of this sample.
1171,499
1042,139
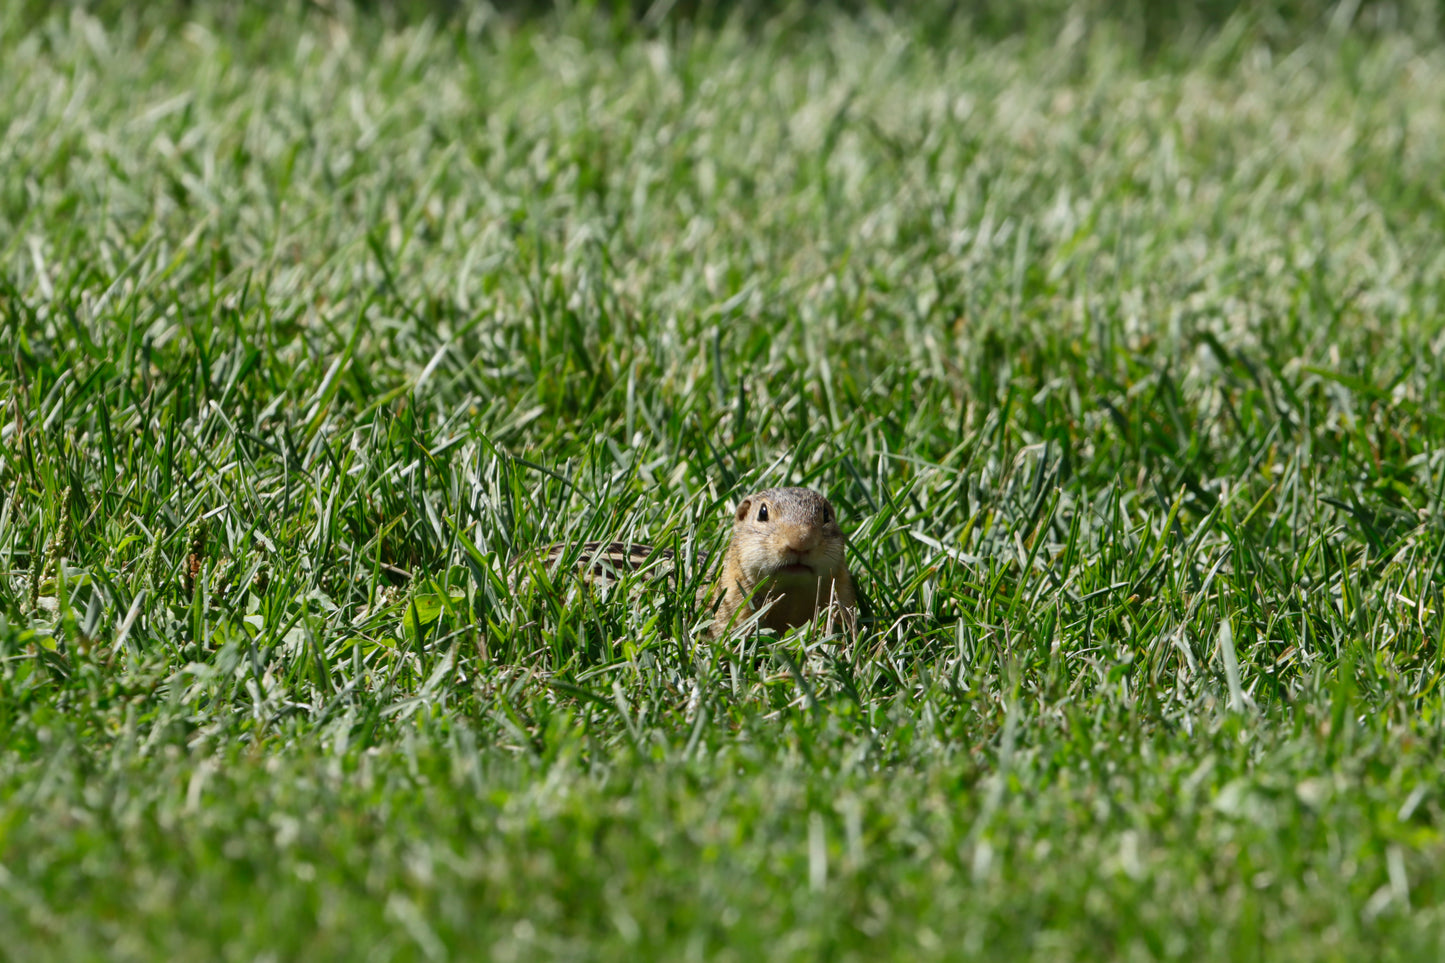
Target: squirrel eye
763,512
827,515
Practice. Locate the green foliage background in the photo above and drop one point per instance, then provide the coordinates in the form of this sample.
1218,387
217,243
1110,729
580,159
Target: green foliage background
1114,335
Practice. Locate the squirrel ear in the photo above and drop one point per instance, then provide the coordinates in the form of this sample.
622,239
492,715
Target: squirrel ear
743,508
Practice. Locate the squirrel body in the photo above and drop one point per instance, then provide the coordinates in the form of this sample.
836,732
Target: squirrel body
784,563
785,560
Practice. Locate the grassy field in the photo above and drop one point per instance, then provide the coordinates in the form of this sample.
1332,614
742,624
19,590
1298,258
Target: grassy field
1117,346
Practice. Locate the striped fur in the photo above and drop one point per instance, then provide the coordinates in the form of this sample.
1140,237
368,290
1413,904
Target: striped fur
606,560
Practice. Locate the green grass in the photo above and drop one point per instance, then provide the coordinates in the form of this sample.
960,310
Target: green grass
1118,354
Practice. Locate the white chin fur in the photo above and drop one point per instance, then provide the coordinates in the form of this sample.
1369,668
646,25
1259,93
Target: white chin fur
795,579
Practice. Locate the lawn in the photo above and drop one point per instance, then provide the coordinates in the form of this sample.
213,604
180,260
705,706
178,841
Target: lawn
1115,340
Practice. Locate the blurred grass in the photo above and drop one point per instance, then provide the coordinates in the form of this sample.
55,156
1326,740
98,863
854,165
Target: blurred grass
1118,355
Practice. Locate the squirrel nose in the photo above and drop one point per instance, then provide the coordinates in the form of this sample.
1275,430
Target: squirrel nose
805,541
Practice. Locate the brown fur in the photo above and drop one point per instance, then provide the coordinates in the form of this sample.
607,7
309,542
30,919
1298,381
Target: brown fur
784,560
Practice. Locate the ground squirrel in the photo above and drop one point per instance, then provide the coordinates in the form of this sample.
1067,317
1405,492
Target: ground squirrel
785,560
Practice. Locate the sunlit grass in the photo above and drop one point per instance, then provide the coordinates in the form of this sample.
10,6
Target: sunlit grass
1121,366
